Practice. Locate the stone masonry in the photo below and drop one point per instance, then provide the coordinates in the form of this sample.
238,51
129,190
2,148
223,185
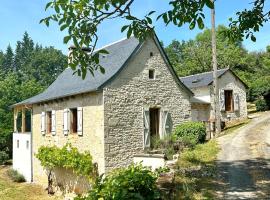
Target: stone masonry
93,130
126,97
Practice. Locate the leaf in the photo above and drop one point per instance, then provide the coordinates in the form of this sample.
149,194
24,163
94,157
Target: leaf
63,27
209,4
200,23
129,32
253,38
165,18
129,17
48,5
66,39
192,25
149,20
103,51
124,28
102,70
151,12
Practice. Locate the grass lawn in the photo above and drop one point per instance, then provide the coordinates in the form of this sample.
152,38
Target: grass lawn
196,178
10,190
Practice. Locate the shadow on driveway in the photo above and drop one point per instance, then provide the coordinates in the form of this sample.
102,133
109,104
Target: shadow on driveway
245,179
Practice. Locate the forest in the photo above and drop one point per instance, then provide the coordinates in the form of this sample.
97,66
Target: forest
30,68
24,72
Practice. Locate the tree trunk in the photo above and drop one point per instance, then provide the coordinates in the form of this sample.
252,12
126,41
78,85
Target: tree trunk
215,81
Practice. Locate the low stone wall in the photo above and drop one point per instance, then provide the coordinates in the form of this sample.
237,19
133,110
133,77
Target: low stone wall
154,161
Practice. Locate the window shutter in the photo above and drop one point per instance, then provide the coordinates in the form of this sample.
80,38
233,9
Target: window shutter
236,101
43,118
146,128
222,100
80,120
164,124
66,122
53,122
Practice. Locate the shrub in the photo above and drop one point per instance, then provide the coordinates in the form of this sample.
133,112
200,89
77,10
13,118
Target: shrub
67,157
168,145
261,105
134,182
3,157
15,176
190,133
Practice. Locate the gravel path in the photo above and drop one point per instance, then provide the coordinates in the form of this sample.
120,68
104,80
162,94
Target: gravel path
244,161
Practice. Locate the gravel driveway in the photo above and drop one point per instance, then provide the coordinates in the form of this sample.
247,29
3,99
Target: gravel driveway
244,161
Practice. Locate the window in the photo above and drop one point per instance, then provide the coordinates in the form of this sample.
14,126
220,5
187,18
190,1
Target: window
228,100
49,122
151,74
18,143
27,144
73,120
151,54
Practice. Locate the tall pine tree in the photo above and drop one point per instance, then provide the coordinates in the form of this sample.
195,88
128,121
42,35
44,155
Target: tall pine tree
8,61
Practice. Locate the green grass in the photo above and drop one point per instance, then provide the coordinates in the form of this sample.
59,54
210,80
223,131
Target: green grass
10,190
234,127
197,172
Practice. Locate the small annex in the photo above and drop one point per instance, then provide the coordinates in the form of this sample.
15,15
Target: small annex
232,96
112,115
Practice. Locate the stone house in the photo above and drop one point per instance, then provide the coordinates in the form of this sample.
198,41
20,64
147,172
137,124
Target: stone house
232,96
112,115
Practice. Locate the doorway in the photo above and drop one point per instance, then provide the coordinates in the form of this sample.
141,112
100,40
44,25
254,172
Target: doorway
154,122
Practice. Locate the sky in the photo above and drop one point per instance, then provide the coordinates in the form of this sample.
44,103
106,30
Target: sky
18,16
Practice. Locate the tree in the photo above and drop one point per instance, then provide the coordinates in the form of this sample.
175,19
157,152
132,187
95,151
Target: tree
249,21
8,60
24,50
195,56
82,18
36,68
215,78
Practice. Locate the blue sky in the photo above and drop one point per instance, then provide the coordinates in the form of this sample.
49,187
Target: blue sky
19,16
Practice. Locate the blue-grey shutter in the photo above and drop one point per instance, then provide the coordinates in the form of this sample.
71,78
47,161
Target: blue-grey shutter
146,128
53,122
166,125
222,100
66,121
80,121
43,123
236,101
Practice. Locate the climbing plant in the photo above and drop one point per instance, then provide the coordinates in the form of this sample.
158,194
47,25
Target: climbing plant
67,157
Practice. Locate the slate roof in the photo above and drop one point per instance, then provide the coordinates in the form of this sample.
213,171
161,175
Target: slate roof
68,84
202,79
120,52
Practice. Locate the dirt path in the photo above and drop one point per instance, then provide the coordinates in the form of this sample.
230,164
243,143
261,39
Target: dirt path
244,161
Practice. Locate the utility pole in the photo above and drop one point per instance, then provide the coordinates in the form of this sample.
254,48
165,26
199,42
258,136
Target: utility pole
215,81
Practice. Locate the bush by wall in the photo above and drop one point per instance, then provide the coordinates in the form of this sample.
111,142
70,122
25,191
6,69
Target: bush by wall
15,176
67,157
134,182
3,157
190,133
261,105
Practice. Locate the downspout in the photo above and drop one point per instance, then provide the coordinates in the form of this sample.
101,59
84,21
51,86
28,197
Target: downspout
31,146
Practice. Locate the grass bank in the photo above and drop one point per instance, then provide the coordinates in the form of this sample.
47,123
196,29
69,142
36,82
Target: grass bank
196,176
10,190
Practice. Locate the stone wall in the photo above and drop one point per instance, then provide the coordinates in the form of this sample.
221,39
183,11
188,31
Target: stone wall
229,82
126,97
93,130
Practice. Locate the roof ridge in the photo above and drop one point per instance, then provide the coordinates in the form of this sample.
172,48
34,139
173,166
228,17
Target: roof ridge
112,43
204,73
